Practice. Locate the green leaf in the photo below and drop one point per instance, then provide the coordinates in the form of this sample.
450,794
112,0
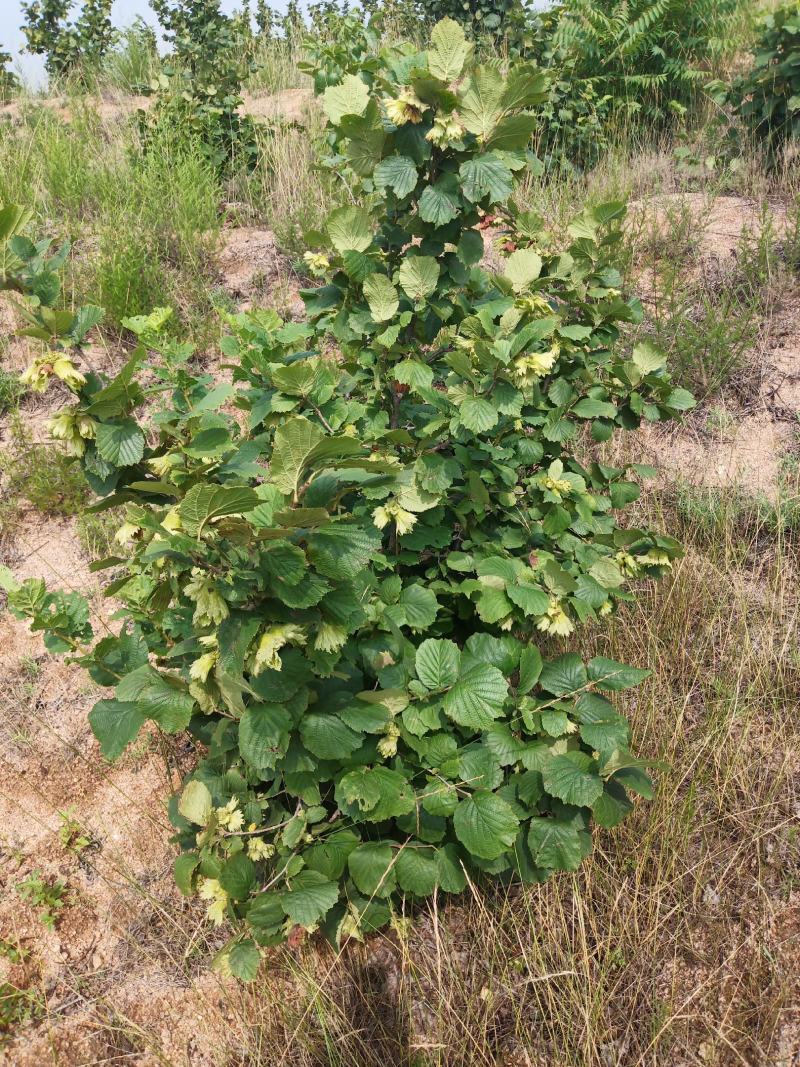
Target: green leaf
648,357
530,667
120,443
413,373
195,803
481,108
563,778
350,228
530,599
328,737
439,203
243,960
522,267
437,664
183,870
513,132
398,173
264,734
294,442
477,414
204,503
594,409
115,724
486,176
369,867
612,676
381,296
417,871
310,898
558,844
418,276
375,794
486,825
419,605
238,876
564,675
477,698
159,696
349,98
449,869
449,51
343,549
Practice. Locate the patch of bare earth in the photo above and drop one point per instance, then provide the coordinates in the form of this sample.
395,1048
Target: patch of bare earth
254,272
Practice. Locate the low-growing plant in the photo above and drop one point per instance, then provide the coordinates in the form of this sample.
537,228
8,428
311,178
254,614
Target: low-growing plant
71,834
341,592
48,895
768,96
17,1007
11,390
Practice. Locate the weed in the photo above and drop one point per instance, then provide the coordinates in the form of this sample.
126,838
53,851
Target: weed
13,951
17,1007
40,474
71,833
11,390
95,532
48,895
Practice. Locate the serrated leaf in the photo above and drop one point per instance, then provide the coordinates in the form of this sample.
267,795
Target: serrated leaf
481,108
419,606
203,503
477,414
563,778
558,844
120,443
264,734
349,98
477,698
371,868
310,898
522,267
648,357
612,676
449,51
439,203
158,696
195,803
418,276
486,825
115,724
350,228
238,876
381,296
564,675
294,443
242,960
328,737
437,664
413,373
416,870
399,173
342,549
486,176
375,794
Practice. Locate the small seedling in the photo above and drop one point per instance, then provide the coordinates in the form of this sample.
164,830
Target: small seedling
73,837
46,894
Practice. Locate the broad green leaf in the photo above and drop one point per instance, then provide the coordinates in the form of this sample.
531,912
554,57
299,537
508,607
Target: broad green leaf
486,176
648,357
481,108
183,870
612,676
439,203
375,794
418,276
558,844
371,868
530,599
449,51
264,734
513,132
294,442
160,697
310,897
477,698
399,173
486,825
195,803
522,267
329,855
350,228
437,664
242,960
115,724
238,876
477,414
120,443
530,667
417,871
343,549
381,296
204,503
564,675
413,373
328,737
349,98
450,874
564,779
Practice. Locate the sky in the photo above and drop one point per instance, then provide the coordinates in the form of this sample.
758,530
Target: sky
31,68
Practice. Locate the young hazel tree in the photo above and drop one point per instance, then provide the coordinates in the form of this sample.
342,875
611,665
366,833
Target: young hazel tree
341,591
